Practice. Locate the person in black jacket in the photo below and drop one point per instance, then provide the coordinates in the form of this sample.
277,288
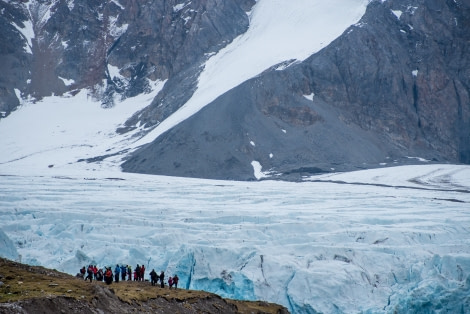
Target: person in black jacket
175,281
153,277
123,272
137,273
100,275
162,279
89,273
82,273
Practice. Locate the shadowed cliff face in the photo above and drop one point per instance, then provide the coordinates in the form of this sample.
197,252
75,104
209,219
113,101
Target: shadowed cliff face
113,48
394,85
14,59
405,78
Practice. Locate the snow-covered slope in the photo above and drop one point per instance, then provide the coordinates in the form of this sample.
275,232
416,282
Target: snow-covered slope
392,240
58,132
279,31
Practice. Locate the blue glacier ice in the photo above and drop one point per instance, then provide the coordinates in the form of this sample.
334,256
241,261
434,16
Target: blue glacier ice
7,248
391,245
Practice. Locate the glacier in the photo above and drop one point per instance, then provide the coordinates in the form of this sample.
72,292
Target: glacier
387,240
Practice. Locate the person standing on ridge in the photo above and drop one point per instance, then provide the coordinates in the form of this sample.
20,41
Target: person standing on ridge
153,277
123,272
82,272
142,272
100,275
137,273
162,279
89,273
108,276
117,271
175,281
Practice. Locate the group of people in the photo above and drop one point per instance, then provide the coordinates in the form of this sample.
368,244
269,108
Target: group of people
124,272
154,277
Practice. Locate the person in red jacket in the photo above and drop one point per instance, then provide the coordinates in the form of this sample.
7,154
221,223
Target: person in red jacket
108,276
142,272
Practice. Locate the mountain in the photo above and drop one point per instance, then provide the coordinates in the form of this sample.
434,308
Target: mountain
245,90
395,84
114,48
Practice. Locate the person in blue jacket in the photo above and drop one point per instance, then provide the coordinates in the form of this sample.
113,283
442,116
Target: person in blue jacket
117,271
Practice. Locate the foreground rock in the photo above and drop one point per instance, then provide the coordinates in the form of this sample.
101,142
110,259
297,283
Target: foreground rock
29,289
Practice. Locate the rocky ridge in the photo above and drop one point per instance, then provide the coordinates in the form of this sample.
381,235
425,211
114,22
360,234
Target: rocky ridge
32,289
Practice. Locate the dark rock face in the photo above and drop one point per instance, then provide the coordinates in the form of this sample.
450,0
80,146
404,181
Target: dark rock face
391,86
113,48
14,59
261,120
407,79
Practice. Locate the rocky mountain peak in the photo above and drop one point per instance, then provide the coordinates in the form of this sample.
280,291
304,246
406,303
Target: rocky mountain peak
113,48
